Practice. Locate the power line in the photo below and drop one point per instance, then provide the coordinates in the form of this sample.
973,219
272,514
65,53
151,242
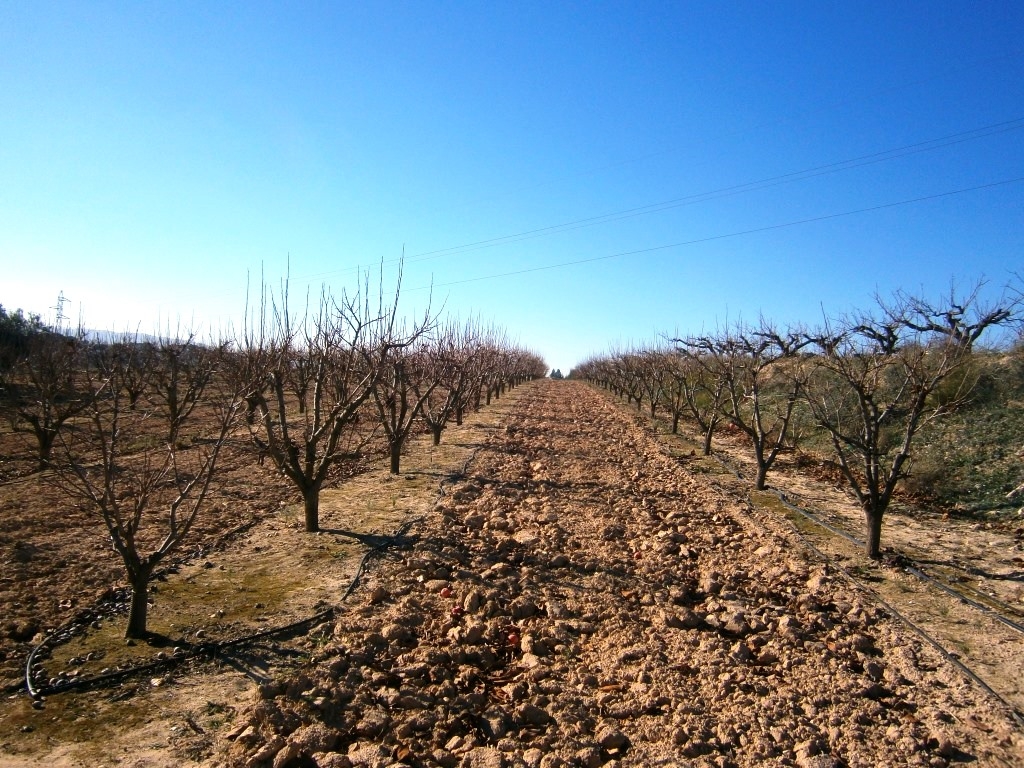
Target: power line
820,106
740,233
875,157
927,145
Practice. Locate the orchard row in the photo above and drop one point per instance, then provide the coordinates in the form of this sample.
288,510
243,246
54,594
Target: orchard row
132,428
867,383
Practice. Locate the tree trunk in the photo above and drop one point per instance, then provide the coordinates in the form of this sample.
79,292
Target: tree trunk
139,605
46,440
311,506
396,455
707,440
652,409
874,522
675,423
762,476
436,431
458,417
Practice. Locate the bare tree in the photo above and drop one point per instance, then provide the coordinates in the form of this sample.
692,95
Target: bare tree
406,380
874,385
45,388
649,369
451,355
146,500
132,366
181,372
962,319
699,390
308,424
763,377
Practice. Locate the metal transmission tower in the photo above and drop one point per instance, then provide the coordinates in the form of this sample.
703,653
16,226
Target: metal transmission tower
61,317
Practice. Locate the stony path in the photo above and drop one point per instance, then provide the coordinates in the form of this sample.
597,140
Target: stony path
582,599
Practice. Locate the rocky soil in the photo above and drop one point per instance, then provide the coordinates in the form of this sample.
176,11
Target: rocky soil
581,598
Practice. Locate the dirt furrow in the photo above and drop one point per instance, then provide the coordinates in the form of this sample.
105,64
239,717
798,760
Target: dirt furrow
581,599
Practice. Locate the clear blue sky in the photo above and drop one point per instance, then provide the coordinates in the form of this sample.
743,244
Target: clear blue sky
152,155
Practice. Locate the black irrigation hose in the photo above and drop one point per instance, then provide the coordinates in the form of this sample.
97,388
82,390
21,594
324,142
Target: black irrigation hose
207,649
963,598
1016,715
213,648
918,572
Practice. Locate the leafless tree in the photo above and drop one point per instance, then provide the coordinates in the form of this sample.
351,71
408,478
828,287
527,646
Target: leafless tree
406,380
181,372
148,500
763,378
649,369
452,357
45,387
962,319
308,424
697,390
874,384
135,371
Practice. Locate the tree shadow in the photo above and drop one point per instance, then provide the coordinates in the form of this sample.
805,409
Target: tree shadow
375,540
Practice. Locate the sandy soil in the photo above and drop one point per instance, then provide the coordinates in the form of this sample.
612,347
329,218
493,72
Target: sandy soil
984,560
248,567
585,598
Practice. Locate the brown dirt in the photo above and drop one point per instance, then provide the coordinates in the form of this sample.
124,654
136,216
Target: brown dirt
984,560
585,596
248,566
585,599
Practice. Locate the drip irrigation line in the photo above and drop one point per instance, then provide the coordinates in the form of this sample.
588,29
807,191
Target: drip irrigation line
917,571
211,649
1015,714
963,598
912,570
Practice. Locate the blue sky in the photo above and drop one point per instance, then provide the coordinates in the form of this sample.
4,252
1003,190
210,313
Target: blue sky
154,155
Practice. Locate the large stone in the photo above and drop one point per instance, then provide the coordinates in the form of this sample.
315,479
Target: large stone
315,737
483,757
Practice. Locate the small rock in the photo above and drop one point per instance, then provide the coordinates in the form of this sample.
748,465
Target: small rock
473,601
684,618
589,757
610,737
23,630
372,724
267,751
315,737
735,623
862,643
483,757
287,755
874,670
396,633
946,748
531,714
369,755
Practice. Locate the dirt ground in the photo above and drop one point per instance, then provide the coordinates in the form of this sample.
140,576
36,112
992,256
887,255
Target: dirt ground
981,559
587,594
248,566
